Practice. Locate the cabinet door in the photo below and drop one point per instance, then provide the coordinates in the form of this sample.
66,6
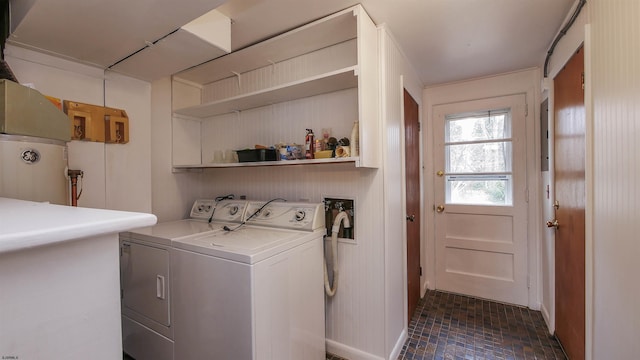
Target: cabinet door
144,272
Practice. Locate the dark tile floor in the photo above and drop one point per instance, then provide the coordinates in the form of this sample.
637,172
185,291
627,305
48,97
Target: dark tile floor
450,326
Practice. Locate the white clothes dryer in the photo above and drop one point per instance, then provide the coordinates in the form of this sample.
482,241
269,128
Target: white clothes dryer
255,291
145,274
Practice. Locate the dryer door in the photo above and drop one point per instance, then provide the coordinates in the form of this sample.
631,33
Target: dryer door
144,272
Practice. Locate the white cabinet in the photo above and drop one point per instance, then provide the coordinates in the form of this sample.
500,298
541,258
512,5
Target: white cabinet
321,75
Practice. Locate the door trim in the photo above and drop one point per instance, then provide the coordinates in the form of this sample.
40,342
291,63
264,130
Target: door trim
589,201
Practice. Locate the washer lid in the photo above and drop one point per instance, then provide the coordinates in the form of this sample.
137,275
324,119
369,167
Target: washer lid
247,244
173,230
248,239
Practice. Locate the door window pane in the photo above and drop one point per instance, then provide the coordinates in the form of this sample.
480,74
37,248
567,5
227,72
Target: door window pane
469,127
476,190
478,158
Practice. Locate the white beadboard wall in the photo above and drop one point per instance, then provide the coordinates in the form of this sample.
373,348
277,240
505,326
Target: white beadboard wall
366,319
127,165
315,63
283,122
172,193
615,74
397,74
115,178
355,317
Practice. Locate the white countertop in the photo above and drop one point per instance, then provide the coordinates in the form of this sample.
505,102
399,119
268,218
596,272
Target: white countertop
26,224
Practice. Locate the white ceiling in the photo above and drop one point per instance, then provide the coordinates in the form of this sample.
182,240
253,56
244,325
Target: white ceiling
445,40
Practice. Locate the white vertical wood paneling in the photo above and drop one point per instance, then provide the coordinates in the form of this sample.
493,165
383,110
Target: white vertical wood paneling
318,62
172,193
354,316
615,74
67,80
281,123
369,74
126,162
397,75
366,319
107,168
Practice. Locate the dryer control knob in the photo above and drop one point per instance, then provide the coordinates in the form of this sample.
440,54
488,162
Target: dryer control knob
300,214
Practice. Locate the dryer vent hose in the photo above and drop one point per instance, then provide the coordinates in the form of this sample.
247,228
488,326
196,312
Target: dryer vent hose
331,289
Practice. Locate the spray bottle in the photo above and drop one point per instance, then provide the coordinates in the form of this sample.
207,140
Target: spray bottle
309,144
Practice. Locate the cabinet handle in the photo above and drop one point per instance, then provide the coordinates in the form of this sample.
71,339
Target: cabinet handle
160,293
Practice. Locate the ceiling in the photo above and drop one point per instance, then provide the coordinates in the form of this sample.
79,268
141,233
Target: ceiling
445,40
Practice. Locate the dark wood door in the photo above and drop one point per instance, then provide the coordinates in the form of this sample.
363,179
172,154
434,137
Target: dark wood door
412,173
570,195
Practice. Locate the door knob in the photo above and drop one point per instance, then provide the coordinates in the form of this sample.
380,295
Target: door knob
411,218
553,224
440,173
440,208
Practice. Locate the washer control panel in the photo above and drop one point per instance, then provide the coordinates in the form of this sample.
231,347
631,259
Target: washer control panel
202,209
230,211
225,210
286,215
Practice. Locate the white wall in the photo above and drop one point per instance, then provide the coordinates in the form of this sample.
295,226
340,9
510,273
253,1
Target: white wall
172,193
614,64
397,75
115,176
355,317
367,317
128,169
521,82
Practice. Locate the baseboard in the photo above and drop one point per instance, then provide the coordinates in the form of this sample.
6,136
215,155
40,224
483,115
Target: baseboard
399,344
425,287
547,319
348,352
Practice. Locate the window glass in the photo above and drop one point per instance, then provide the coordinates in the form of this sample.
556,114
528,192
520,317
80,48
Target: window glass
478,151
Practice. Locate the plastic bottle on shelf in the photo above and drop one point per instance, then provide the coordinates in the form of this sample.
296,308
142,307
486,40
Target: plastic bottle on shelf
355,140
309,144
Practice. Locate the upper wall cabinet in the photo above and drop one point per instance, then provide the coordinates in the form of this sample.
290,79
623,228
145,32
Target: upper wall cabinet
323,75
146,39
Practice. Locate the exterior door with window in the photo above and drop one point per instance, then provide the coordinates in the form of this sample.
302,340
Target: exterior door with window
481,198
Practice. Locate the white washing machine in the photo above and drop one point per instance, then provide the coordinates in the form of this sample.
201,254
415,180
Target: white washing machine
255,292
146,289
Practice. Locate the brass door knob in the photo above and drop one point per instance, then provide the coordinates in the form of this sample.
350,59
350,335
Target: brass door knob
553,224
440,173
440,208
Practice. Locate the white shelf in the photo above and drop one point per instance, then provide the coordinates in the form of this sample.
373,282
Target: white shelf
269,163
333,81
349,68
334,29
